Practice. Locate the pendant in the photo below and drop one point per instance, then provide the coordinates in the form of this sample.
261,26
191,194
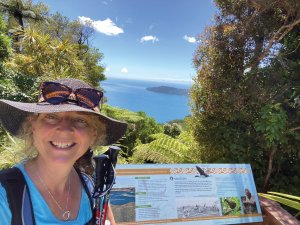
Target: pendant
66,215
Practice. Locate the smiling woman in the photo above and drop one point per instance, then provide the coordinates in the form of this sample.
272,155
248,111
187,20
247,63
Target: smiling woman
62,137
61,130
26,132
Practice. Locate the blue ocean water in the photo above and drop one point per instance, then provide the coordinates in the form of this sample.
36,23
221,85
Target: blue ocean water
121,197
132,95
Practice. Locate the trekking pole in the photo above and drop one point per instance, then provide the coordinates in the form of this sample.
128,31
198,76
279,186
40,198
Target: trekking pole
112,154
104,180
101,162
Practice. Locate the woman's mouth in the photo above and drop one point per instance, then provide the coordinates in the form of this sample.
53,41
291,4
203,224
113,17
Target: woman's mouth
62,145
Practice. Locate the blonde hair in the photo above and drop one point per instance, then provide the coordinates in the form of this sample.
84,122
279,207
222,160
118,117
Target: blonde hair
85,163
100,128
26,134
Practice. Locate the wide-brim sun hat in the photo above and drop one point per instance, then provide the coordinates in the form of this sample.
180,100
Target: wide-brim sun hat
13,114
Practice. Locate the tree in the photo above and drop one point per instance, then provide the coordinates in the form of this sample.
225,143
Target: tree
49,58
240,82
17,11
58,48
172,129
13,85
78,35
45,57
59,26
5,49
279,119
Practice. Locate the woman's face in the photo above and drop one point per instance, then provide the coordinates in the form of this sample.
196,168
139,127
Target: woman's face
63,137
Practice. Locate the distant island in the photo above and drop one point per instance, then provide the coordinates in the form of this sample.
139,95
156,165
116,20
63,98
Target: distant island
169,90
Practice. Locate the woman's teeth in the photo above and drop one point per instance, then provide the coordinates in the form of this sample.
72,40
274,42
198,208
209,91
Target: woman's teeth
62,145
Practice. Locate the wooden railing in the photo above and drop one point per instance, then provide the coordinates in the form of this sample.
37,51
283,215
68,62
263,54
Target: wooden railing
274,214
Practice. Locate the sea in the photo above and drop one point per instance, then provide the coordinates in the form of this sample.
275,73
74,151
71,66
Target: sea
122,197
132,95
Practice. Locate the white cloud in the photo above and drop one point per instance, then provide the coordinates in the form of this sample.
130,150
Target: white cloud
107,26
149,38
247,70
124,70
190,39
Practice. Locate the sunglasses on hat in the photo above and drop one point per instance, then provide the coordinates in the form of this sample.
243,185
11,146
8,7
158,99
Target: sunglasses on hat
56,93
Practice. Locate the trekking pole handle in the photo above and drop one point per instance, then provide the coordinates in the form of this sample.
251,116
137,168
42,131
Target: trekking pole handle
101,162
112,153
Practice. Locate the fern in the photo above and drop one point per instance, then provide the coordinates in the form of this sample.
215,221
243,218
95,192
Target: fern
142,154
163,149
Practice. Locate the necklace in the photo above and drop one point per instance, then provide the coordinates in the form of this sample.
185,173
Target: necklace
65,213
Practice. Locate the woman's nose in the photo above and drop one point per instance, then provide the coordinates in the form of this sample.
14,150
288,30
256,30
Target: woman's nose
66,125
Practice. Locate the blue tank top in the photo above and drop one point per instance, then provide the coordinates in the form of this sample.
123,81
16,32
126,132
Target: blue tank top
42,212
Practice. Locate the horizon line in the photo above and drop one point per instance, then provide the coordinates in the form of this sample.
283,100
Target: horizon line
151,79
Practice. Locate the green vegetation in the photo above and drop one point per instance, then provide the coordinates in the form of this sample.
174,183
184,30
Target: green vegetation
165,149
284,199
5,49
245,99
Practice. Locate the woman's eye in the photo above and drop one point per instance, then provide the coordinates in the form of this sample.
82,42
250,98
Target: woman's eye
51,118
80,122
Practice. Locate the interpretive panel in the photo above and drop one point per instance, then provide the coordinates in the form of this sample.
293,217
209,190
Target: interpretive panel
185,194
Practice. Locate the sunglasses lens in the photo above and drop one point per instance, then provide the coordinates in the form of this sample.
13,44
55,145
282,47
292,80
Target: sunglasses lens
88,98
55,93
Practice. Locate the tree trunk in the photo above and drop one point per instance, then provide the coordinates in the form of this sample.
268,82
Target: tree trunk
270,167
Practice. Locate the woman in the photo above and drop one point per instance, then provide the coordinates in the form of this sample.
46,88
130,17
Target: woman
61,128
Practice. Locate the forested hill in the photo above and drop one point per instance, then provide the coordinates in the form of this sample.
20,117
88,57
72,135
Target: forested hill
168,90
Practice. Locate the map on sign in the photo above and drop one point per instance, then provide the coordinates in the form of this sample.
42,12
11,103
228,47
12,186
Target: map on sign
185,194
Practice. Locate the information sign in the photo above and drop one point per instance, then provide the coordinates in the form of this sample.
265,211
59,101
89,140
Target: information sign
185,194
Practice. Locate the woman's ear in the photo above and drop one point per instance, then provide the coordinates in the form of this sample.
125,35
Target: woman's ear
32,119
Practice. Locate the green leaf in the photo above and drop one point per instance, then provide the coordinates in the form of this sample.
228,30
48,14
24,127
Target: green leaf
285,195
284,201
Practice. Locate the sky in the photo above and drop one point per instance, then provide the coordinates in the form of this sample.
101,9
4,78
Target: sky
143,39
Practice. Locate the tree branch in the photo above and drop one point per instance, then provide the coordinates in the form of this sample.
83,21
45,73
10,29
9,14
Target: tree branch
295,128
270,168
275,37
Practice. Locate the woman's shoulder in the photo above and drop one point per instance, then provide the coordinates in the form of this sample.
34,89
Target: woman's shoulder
3,196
